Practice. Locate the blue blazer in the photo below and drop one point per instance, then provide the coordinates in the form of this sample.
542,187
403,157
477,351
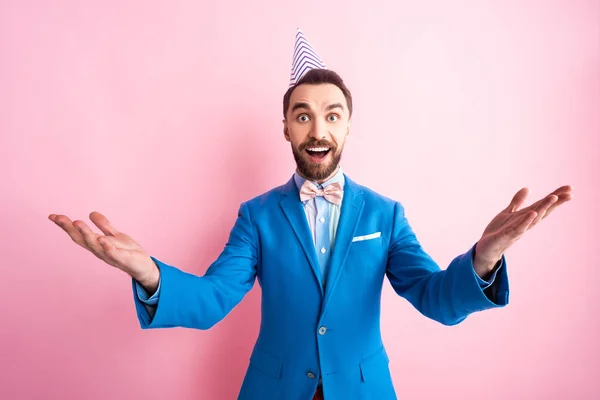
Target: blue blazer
311,329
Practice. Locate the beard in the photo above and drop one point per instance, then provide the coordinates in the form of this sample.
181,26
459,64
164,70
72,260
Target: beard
317,171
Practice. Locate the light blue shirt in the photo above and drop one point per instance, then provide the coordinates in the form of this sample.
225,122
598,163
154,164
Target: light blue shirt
323,218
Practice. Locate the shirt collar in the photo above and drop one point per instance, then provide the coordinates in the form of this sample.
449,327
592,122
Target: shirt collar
338,177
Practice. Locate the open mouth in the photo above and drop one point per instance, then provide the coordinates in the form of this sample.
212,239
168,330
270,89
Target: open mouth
318,153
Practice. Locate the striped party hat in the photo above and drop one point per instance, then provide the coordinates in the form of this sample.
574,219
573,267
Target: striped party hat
305,58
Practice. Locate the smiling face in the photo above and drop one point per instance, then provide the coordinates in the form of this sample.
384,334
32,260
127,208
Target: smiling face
316,124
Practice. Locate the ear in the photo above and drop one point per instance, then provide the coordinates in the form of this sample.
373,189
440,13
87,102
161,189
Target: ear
348,128
285,130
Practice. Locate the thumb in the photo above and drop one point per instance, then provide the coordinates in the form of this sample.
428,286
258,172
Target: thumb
518,199
103,223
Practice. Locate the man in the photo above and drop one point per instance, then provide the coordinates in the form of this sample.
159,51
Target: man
320,246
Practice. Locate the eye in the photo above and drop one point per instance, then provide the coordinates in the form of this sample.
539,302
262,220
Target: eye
302,118
333,117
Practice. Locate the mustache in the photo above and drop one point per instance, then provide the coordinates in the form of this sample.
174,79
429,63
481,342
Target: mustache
318,143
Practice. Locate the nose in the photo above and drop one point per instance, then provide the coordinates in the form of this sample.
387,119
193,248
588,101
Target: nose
319,129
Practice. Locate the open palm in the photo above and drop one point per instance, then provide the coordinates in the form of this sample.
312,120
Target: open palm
114,247
511,223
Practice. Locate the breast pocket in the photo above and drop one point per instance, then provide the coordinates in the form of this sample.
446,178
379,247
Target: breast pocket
370,243
370,236
367,257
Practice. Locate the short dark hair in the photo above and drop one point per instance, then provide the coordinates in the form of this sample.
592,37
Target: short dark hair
316,77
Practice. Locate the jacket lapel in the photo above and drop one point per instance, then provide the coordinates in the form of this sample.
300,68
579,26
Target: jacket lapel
352,206
294,211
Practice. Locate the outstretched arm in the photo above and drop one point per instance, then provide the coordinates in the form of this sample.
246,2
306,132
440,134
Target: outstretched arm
188,300
447,296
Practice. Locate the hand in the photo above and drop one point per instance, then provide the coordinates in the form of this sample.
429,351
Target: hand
508,226
115,248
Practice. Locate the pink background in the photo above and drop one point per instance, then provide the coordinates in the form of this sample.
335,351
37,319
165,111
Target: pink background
165,116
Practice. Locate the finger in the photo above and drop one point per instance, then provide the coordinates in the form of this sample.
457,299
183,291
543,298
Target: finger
542,209
90,238
103,224
563,198
518,199
546,202
563,189
65,223
561,193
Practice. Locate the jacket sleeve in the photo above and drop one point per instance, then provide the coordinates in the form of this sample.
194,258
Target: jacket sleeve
447,296
143,296
199,302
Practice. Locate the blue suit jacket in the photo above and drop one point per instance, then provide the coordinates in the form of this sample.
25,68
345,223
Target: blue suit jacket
310,329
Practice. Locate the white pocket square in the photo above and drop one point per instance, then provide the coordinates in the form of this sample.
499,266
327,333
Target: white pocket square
366,237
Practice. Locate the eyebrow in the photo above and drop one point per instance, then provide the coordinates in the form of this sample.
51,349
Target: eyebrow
306,106
300,105
334,105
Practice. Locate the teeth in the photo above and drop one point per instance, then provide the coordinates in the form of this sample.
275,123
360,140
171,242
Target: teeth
318,149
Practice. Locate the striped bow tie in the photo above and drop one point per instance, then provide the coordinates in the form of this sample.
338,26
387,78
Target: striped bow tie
332,193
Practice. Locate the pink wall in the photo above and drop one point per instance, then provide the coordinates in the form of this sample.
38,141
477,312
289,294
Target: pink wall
166,115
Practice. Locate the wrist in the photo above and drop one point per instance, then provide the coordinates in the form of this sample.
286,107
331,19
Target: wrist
150,279
485,268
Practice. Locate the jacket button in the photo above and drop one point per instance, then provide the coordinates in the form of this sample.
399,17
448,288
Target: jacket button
322,330
310,375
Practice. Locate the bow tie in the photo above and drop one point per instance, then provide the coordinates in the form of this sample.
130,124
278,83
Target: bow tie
332,193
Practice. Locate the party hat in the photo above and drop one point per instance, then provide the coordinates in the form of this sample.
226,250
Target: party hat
305,58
